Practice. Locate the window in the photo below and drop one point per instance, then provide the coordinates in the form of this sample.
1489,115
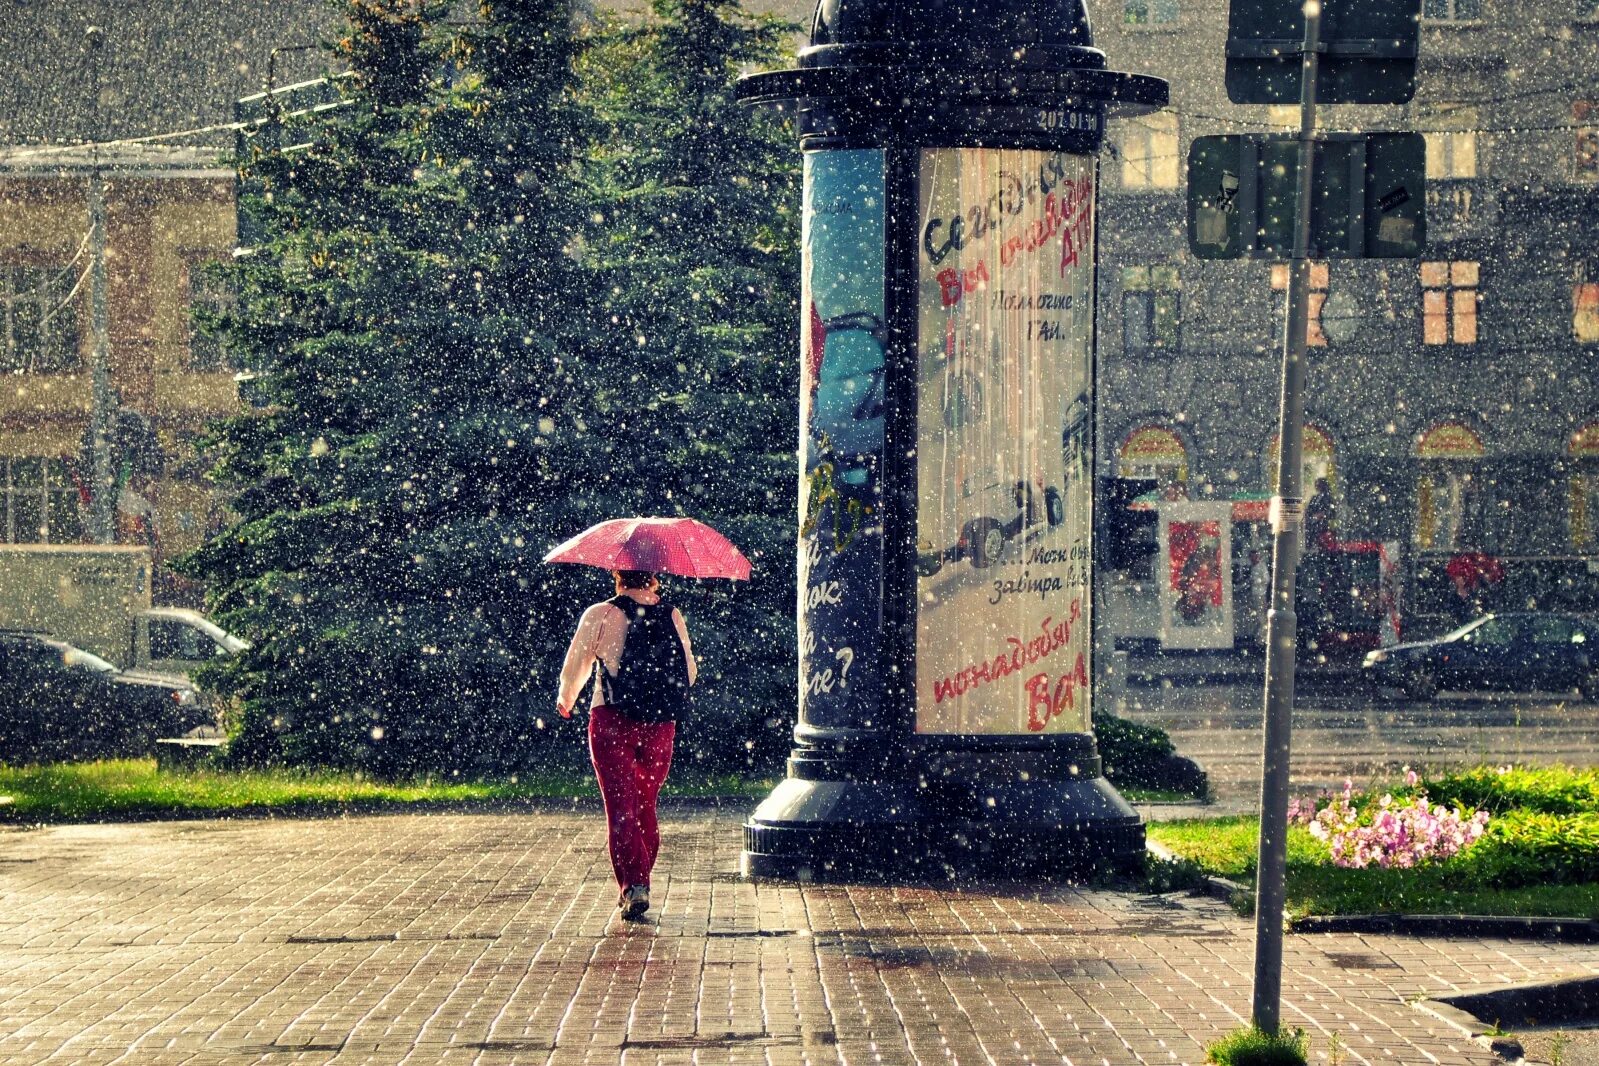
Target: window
1449,302
38,320
1318,460
174,640
1451,10
1546,630
1585,164
209,296
40,503
1319,280
1584,502
1149,12
1451,136
1583,488
1585,303
1149,152
1151,309
1446,496
1155,453
1494,633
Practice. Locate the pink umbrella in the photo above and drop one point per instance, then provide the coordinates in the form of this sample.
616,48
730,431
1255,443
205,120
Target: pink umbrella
681,546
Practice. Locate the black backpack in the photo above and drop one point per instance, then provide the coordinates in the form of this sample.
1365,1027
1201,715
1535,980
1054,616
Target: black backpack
651,682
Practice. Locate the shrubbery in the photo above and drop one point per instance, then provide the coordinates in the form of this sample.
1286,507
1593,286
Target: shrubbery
1142,756
1498,827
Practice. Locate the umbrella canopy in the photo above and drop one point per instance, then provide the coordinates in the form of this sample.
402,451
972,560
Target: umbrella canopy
682,546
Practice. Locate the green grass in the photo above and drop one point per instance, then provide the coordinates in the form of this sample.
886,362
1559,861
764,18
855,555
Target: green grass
1253,1047
123,788
1157,795
1538,858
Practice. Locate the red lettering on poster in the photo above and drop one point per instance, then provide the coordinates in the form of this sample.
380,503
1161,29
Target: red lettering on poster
1052,636
1066,214
955,284
1043,703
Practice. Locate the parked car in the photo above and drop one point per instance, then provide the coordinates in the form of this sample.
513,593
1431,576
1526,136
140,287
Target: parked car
1517,651
58,701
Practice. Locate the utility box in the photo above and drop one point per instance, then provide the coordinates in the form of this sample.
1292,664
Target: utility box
87,595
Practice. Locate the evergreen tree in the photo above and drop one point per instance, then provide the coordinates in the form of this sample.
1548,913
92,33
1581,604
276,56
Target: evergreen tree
697,244
493,306
413,318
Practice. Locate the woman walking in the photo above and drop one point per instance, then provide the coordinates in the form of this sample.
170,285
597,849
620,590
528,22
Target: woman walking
638,649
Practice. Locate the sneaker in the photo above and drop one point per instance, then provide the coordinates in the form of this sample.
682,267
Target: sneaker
635,901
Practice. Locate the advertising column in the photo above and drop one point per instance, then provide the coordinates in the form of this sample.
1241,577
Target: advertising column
1005,490
841,445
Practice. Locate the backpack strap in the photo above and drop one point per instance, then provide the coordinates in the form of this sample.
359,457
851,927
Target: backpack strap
602,677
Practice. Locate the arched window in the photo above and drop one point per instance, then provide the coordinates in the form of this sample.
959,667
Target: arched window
1449,453
1584,487
1319,460
1153,452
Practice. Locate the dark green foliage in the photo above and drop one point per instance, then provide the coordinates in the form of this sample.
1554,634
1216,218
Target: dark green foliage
1142,756
1533,848
1175,874
458,320
1550,789
1255,1047
695,242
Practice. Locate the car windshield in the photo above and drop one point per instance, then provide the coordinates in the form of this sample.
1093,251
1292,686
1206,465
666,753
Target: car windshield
87,661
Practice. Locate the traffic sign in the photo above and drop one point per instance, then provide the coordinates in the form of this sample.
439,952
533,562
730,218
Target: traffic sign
1368,51
1367,199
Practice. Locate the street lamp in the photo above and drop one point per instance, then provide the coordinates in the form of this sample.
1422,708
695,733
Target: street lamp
945,589
102,399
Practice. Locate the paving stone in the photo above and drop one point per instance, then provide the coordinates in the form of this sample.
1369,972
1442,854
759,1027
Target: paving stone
493,939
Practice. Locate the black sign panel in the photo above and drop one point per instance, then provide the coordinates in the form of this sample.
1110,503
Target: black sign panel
1368,51
1366,202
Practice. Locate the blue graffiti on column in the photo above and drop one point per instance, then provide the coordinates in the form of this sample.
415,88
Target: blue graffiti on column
841,542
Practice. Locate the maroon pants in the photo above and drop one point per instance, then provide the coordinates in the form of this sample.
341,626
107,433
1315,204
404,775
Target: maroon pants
630,760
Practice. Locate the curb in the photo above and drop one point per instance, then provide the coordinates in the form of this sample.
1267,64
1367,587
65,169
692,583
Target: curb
1483,1015
1560,930
1563,930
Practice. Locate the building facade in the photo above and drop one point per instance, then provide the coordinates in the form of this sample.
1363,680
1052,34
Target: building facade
1451,402
147,113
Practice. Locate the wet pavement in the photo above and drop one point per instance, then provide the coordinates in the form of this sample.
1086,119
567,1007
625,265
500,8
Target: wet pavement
492,938
1345,729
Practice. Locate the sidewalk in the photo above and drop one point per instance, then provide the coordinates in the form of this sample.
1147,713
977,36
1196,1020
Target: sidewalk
491,938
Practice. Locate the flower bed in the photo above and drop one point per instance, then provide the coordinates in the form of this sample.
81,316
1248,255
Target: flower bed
1485,841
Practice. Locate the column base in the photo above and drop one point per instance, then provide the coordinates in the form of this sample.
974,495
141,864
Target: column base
964,812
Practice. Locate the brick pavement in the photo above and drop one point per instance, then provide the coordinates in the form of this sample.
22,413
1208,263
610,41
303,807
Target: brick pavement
491,938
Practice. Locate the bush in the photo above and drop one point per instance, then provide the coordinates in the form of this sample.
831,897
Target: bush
1142,756
1552,789
1534,848
1255,1047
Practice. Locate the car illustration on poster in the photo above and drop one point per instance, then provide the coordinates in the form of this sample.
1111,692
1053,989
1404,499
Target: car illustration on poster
991,511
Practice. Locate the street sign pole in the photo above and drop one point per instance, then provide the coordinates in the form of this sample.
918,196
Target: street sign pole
1287,520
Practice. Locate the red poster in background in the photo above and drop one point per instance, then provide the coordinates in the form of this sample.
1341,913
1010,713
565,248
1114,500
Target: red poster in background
1195,560
1196,591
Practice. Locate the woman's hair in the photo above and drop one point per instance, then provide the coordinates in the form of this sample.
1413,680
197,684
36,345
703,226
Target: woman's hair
634,579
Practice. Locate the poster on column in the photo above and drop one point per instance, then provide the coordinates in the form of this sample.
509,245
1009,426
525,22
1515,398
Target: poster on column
1005,492
1195,575
841,438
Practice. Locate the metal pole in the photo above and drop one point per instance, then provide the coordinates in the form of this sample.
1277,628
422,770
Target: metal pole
1287,520
102,502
